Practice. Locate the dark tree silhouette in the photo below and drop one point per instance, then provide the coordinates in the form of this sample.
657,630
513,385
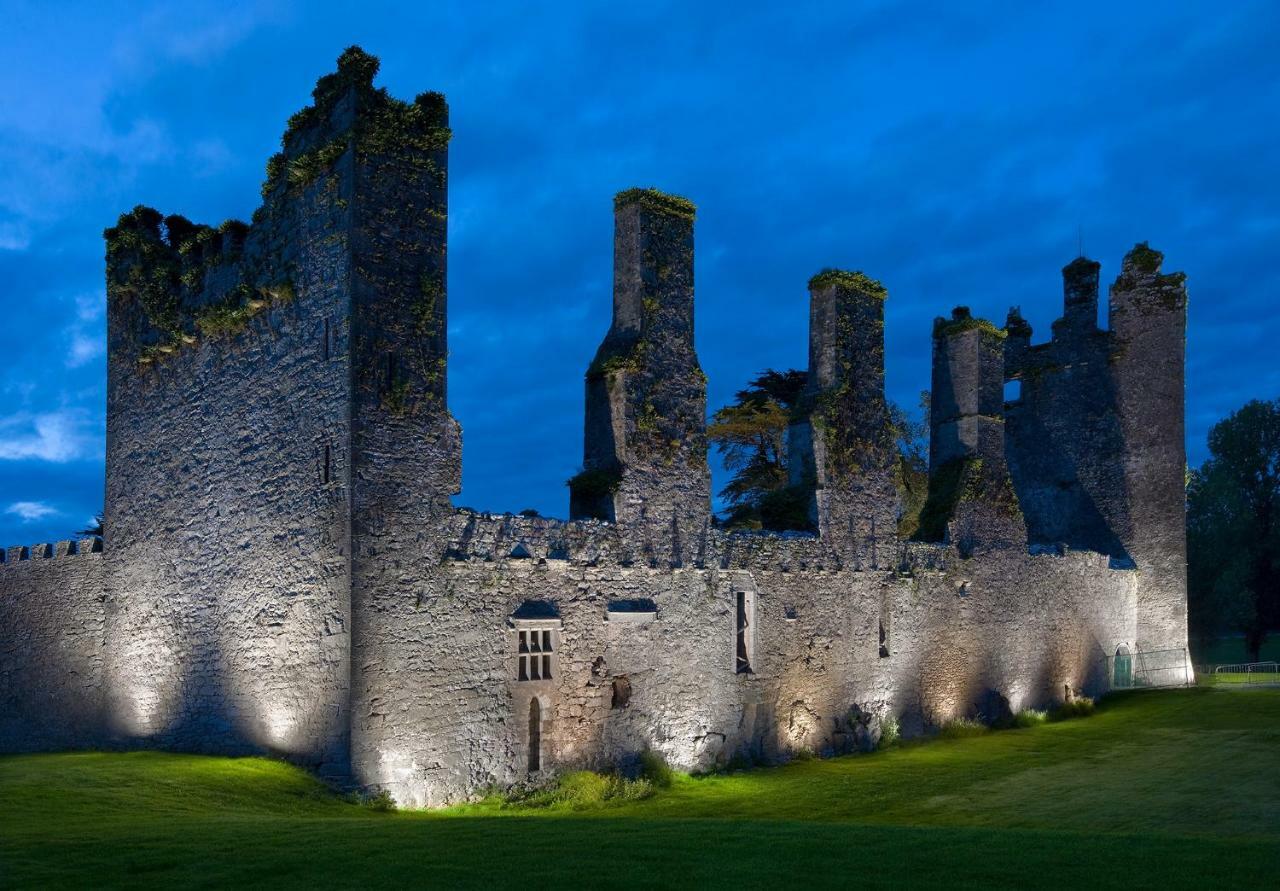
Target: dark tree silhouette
1233,528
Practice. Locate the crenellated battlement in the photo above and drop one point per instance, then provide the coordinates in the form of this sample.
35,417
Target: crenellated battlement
49,550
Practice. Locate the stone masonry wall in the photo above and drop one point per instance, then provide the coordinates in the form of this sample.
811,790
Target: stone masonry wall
228,465
644,656
51,646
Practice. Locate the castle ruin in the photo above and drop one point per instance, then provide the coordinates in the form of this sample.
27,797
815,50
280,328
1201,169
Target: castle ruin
283,570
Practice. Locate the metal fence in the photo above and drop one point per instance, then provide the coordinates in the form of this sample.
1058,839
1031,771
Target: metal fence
1246,673
1151,668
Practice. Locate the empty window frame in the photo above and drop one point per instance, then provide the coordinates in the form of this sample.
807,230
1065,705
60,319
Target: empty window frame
535,649
746,632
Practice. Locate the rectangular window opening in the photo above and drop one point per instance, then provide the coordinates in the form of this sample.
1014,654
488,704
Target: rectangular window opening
884,640
325,347
746,606
327,471
1013,390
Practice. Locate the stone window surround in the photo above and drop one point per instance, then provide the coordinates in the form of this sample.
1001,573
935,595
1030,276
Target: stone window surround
533,661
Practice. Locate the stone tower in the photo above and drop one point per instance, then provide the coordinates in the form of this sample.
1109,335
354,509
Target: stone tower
971,497
645,443
843,445
277,432
1148,326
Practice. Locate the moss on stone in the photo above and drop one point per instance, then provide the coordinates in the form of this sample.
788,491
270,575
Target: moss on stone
954,326
847,280
1144,258
653,199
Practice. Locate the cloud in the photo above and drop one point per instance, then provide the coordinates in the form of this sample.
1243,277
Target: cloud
31,511
87,339
59,437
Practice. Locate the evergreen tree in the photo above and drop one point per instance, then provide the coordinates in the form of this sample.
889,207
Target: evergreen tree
1233,528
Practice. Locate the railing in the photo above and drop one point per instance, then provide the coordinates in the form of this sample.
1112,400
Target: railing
1151,668
1245,674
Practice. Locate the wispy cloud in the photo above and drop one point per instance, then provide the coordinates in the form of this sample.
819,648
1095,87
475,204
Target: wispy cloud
85,335
31,511
59,436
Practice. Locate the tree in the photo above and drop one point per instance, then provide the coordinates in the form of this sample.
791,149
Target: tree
912,437
751,436
94,529
1233,528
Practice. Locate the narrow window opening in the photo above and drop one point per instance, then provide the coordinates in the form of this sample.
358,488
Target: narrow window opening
391,372
327,471
326,340
745,622
1013,390
884,641
535,735
621,693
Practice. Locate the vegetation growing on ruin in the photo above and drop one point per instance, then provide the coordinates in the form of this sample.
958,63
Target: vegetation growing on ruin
963,479
384,125
143,267
853,281
595,483
962,321
1138,786
653,199
617,355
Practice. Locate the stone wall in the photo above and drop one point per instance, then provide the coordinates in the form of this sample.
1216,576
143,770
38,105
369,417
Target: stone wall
644,657
228,463
51,646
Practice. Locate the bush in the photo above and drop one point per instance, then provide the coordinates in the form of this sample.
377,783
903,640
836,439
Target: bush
1079,707
585,789
890,733
655,769
962,728
380,802
1030,718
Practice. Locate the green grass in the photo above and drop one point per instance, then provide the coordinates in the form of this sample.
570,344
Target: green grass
1161,789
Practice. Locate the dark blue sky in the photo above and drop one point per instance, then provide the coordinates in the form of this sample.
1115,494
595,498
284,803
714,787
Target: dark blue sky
953,152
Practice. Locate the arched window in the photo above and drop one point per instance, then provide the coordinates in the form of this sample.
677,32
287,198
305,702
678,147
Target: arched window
535,735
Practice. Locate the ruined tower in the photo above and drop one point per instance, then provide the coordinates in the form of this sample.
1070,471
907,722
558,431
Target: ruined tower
645,443
277,430
1149,329
842,444
971,499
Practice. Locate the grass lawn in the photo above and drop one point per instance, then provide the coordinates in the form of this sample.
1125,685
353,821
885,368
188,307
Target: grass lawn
1160,789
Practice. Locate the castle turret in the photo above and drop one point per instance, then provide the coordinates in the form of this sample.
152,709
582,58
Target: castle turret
843,446
1080,295
1017,342
971,498
1148,322
645,445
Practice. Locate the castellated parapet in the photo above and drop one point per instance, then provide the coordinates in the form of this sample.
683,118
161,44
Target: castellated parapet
283,571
